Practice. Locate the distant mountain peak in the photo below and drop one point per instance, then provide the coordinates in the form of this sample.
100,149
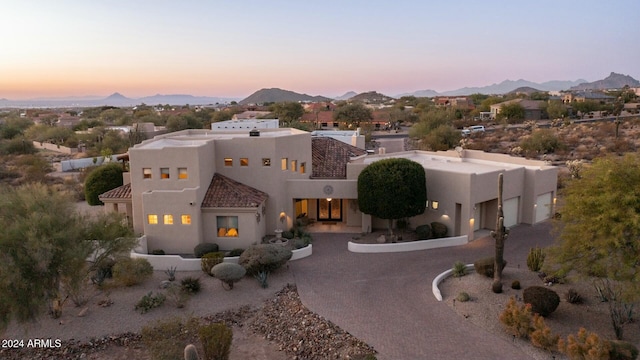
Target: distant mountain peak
279,95
613,81
116,96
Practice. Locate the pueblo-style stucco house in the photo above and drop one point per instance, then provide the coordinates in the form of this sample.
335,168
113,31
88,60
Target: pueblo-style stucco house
234,187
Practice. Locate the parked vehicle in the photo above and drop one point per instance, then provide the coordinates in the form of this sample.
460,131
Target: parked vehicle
476,128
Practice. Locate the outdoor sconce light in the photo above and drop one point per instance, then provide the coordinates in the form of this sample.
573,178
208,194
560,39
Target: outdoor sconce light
434,205
258,217
283,216
329,199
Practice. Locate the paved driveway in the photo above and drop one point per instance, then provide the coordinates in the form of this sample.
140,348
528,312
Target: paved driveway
386,299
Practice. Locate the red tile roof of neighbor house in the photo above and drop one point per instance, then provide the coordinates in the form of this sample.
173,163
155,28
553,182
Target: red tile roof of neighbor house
323,117
120,193
330,157
224,192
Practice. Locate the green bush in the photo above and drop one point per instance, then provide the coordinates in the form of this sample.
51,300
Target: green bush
622,350
209,260
287,234
439,230
228,273
205,248
485,266
264,257
150,301
101,180
535,259
177,296
515,285
157,252
424,232
16,146
165,339
129,272
543,300
216,340
459,269
463,297
190,285
236,252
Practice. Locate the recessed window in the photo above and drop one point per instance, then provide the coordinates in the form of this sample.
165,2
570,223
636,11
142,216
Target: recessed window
152,219
244,162
294,165
285,163
183,174
266,162
168,219
303,167
228,162
146,173
227,226
164,173
186,219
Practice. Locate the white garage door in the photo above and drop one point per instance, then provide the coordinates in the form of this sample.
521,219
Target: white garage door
510,210
543,207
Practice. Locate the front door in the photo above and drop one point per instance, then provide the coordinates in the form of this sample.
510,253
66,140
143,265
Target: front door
329,210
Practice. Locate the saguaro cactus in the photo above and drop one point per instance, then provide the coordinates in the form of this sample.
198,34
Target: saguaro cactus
500,235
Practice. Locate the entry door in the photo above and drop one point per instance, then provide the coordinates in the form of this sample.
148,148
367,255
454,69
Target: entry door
329,210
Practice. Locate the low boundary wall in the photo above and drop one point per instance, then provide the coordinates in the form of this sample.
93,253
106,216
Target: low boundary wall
408,246
438,279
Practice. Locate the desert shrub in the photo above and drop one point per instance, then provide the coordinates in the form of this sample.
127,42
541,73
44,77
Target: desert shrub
287,234
299,243
622,350
463,297
541,336
216,340
573,297
236,252
264,257
543,300
228,273
515,285
101,180
517,319
459,269
535,259
209,260
205,248
171,273
150,301
129,272
165,339
485,266
157,252
190,285
424,232
541,141
585,345
439,230
176,296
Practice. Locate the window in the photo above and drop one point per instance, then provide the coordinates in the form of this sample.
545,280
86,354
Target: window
244,162
168,219
303,167
146,173
183,174
285,162
228,162
152,219
227,226
186,219
266,162
164,173
294,165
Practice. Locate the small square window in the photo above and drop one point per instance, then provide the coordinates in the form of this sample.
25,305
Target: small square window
228,162
152,219
285,163
227,226
294,165
146,173
164,173
183,174
335,125
186,219
266,162
168,219
303,168
244,162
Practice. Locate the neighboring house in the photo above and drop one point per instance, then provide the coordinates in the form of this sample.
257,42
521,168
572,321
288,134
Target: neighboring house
582,96
232,188
250,114
246,124
68,121
532,108
462,102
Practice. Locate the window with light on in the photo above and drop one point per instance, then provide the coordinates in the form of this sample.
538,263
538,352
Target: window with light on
227,226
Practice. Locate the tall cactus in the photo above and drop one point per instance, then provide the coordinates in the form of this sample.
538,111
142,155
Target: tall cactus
190,352
500,235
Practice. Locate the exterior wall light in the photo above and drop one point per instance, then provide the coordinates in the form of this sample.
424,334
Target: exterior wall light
434,205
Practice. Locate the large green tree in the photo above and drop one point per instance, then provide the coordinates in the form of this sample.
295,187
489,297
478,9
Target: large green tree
287,112
511,113
353,114
101,180
600,231
44,246
392,189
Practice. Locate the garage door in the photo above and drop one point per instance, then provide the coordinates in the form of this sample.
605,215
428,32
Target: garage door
543,206
510,210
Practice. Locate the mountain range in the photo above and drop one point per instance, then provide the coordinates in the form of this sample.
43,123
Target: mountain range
115,99
613,81
279,95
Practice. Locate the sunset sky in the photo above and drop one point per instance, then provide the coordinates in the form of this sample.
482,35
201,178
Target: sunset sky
232,48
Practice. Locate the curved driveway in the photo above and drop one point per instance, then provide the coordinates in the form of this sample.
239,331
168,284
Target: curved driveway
386,299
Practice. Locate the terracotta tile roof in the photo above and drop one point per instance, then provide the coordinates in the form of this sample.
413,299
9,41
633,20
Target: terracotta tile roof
121,192
224,192
330,157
